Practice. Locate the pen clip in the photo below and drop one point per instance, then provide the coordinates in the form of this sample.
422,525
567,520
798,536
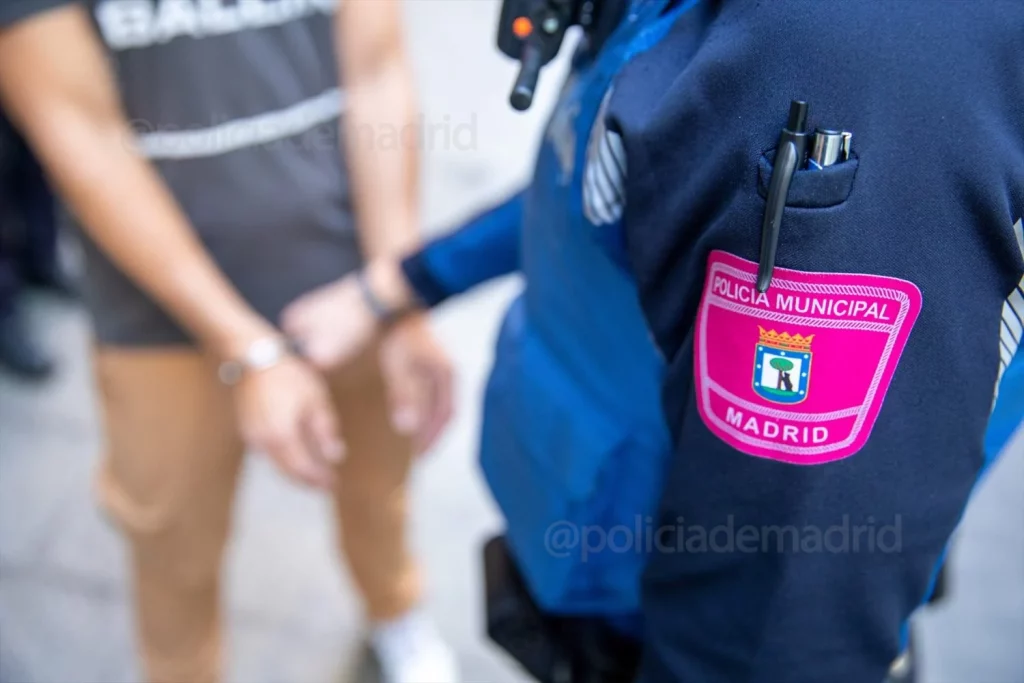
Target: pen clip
789,156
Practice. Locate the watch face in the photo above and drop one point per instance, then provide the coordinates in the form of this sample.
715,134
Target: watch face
263,353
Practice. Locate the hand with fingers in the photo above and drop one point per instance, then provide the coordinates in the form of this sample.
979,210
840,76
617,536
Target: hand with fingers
418,376
333,324
336,322
285,412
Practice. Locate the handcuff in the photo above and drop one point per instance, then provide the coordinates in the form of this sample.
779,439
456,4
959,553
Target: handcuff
267,352
385,314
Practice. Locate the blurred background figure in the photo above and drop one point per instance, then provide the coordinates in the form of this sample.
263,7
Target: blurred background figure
28,253
198,232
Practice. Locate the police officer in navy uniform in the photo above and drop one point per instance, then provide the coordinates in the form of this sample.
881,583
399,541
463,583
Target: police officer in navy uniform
836,490
888,284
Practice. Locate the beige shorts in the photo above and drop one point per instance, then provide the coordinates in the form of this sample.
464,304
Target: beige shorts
169,479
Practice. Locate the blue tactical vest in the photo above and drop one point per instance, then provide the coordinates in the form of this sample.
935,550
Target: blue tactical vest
574,440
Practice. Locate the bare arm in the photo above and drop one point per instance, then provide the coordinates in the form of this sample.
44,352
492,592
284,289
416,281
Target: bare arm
334,322
57,86
377,79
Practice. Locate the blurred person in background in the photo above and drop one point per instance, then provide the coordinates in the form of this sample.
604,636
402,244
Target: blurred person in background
28,253
250,202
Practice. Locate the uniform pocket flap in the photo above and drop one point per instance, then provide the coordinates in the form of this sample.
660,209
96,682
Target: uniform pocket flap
812,189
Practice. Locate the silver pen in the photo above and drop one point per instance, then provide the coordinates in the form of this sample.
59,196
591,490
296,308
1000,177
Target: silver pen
828,147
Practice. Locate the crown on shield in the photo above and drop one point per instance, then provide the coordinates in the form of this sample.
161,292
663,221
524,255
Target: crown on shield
785,341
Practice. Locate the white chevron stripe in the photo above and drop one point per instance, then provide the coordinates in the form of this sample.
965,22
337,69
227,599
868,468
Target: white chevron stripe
1006,353
1011,322
1016,302
611,161
1011,330
604,180
609,178
618,151
1018,232
588,199
1007,342
604,183
595,204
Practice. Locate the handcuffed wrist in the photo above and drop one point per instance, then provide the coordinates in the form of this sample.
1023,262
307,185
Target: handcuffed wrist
384,292
262,354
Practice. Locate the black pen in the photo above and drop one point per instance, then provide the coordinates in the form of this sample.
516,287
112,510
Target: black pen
789,156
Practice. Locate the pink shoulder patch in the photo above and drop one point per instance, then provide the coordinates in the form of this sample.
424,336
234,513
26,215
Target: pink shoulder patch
797,374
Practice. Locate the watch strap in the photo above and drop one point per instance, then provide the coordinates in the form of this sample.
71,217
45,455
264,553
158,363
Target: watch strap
262,354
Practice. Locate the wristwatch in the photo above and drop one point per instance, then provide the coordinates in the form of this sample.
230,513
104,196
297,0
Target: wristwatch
262,354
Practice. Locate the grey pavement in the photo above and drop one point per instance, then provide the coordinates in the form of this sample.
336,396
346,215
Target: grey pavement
64,605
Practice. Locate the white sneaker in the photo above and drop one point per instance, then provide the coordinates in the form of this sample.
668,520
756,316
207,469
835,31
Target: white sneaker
410,650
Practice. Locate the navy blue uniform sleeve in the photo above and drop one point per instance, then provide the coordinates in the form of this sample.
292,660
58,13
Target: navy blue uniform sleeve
486,247
828,432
